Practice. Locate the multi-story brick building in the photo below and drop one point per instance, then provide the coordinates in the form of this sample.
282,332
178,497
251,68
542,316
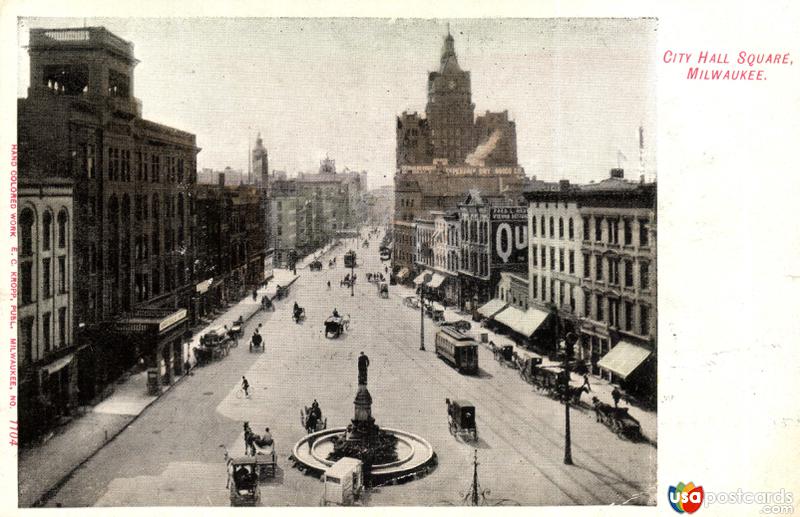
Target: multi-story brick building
133,196
48,362
607,292
231,260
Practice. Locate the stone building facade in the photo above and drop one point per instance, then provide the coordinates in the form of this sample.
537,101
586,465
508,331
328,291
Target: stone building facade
610,298
49,356
133,190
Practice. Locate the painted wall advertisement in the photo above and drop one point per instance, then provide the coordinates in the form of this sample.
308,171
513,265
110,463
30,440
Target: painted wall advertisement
509,235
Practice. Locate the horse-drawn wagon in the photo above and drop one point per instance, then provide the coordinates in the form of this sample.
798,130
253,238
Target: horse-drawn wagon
617,419
214,344
243,481
334,326
461,419
316,265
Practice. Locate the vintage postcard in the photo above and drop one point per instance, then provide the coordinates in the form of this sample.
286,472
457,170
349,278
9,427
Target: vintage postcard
389,259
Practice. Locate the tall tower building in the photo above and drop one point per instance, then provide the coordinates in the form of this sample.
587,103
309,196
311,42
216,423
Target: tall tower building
259,159
450,111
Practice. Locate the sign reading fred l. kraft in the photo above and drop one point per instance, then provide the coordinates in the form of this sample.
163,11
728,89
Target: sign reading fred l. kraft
509,235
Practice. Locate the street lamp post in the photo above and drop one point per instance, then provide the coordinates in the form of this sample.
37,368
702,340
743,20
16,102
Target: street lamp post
569,341
425,280
352,277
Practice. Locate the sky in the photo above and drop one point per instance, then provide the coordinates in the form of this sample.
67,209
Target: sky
578,89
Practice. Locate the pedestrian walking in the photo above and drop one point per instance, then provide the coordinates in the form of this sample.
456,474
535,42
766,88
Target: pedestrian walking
616,395
586,382
255,294
245,387
329,285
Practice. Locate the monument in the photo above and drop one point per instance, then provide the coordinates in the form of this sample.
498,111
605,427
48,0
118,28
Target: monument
363,439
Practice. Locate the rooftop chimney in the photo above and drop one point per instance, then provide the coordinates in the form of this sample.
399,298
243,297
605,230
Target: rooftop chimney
641,179
221,180
617,173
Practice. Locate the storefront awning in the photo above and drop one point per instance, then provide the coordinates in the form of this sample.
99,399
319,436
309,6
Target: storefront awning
420,278
524,322
436,281
623,359
491,308
58,364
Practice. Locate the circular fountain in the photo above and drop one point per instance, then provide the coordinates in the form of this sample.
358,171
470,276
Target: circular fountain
389,455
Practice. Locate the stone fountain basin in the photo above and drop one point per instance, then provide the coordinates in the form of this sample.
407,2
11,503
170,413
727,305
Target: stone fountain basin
414,453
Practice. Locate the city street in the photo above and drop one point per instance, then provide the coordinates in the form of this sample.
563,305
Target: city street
173,453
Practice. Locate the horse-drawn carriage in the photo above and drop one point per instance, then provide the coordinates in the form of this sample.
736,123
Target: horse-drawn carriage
617,419
412,302
526,365
243,481
334,326
383,290
214,344
262,449
282,292
237,329
257,343
504,354
461,419
350,259
311,419
316,265
434,311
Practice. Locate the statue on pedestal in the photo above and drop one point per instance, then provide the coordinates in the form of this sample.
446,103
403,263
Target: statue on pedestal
363,364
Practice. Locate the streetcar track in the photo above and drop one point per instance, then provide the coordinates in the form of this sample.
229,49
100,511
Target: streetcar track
532,425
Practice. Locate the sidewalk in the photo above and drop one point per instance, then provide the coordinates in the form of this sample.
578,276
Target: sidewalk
43,467
601,388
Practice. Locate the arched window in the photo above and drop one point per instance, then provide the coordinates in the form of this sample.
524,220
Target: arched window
62,228
26,231
47,230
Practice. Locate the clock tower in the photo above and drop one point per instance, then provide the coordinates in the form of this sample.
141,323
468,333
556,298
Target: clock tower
450,111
